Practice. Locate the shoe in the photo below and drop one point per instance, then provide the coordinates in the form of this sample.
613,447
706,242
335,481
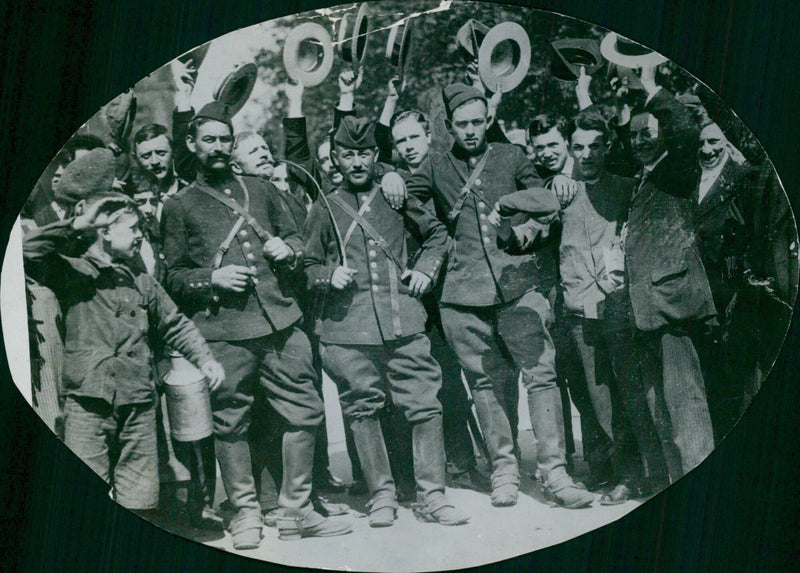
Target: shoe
327,508
382,511
472,479
618,495
505,490
600,475
208,520
326,482
358,487
246,532
298,523
568,495
271,517
440,511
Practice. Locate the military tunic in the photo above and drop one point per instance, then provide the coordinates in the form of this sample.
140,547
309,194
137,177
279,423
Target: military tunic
377,307
482,270
253,334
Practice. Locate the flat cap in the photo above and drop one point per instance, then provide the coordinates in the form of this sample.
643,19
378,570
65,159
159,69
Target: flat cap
456,95
89,174
355,133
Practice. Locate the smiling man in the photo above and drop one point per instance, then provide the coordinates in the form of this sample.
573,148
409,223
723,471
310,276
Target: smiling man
669,291
548,147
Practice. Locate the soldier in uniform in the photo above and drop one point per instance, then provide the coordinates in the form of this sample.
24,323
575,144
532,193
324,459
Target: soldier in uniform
493,304
372,327
228,246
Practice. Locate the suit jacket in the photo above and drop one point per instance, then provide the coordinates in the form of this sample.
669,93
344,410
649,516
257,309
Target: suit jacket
723,231
376,307
773,252
482,269
668,284
195,225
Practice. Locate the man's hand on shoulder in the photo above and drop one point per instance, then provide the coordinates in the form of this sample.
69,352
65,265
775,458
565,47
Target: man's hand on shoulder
394,189
565,189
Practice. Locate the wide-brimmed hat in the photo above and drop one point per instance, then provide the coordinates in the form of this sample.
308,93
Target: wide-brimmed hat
399,46
235,88
504,56
627,53
308,54
571,54
354,36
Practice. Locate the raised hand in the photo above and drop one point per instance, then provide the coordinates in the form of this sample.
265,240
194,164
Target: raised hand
582,89
494,103
184,76
294,93
394,89
99,213
648,78
473,76
349,82
342,277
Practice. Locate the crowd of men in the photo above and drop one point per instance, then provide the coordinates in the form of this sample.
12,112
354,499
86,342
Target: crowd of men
636,264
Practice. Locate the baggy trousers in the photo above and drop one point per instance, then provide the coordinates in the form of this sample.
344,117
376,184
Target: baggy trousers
486,339
281,364
404,369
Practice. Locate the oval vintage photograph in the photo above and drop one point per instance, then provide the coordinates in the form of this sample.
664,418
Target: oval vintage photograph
400,286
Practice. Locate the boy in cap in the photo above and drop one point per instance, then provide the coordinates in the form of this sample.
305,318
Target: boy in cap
372,327
110,314
493,305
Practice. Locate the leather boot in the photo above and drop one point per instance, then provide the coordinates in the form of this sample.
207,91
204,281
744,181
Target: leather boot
368,438
547,421
296,517
497,435
298,462
237,476
427,439
430,474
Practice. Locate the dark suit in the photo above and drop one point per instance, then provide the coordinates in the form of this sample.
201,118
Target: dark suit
669,290
727,350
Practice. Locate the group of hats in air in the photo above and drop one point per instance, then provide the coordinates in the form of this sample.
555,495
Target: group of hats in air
502,52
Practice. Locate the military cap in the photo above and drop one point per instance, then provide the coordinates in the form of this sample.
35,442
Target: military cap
355,133
456,95
89,174
216,110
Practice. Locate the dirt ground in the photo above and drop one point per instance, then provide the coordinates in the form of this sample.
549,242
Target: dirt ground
491,535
